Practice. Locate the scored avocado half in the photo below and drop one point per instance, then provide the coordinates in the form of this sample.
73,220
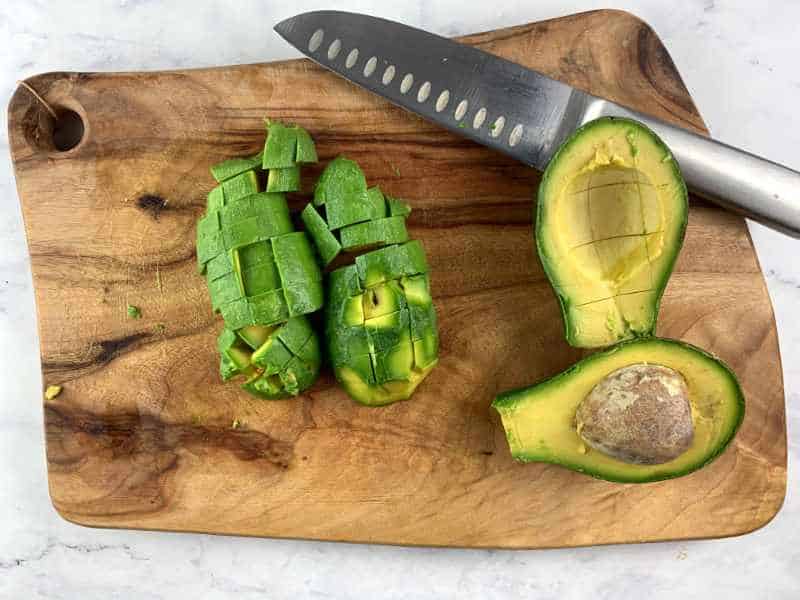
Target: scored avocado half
541,421
612,210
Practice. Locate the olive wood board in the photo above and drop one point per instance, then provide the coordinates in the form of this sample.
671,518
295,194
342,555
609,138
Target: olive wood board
143,434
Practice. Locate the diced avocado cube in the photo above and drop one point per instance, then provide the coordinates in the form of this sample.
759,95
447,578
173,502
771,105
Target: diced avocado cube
362,366
284,180
280,148
306,149
208,248
304,299
396,363
239,356
422,320
344,343
295,259
227,368
295,333
242,233
343,283
353,311
272,356
327,245
226,339
219,266
245,208
267,308
216,199
208,226
381,232
240,186
364,206
298,375
235,166
254,255
234,356
268,209
342,181
259,279
310,352
390,263
377,203
388,331
397,208
237,314
417,289
255,335
223,290
383,299
426,350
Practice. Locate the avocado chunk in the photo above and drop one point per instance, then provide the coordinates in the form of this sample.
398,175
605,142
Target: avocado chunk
611,216
235,166
306,150
397,208
392,262
280,147
342,188
328,247
240,186
542,422
284,180
380,232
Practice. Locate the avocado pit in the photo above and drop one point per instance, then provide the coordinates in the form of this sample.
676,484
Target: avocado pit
639,414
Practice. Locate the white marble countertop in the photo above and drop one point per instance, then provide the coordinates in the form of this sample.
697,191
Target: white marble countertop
740,63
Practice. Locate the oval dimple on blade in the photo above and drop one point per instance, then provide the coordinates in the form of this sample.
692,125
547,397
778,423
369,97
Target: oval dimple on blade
475,94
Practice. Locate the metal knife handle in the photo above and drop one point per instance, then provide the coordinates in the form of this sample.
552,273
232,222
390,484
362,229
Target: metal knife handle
737,180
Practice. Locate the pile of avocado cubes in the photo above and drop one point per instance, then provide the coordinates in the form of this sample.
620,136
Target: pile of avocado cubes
380,322
264,277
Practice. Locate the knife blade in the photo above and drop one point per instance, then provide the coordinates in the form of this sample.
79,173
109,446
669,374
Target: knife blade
519,111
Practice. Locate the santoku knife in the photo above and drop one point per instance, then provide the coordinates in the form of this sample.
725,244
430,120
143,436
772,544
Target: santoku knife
521,112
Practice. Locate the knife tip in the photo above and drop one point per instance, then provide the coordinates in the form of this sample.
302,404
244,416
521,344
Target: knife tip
284,27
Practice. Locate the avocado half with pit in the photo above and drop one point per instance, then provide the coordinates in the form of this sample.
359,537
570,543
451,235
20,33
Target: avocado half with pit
644,410
612,210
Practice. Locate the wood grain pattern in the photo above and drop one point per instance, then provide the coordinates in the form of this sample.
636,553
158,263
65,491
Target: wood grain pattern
141,436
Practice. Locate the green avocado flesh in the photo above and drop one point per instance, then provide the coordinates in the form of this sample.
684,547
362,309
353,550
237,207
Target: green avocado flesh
540,420
388,230
349,216
326,243
285,363
262,275
376,352
612,210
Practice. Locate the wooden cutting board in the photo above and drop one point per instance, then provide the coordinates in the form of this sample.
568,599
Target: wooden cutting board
142,435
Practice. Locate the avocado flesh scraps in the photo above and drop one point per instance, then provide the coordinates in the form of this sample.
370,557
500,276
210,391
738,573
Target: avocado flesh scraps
612,210
262,275
539,421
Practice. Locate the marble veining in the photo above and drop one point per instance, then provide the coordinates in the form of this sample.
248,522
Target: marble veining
738,61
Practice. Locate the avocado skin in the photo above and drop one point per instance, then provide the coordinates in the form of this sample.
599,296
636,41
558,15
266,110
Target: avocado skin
550,266
507,402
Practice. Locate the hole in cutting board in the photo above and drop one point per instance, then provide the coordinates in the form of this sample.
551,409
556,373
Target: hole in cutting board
48,133
68,130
